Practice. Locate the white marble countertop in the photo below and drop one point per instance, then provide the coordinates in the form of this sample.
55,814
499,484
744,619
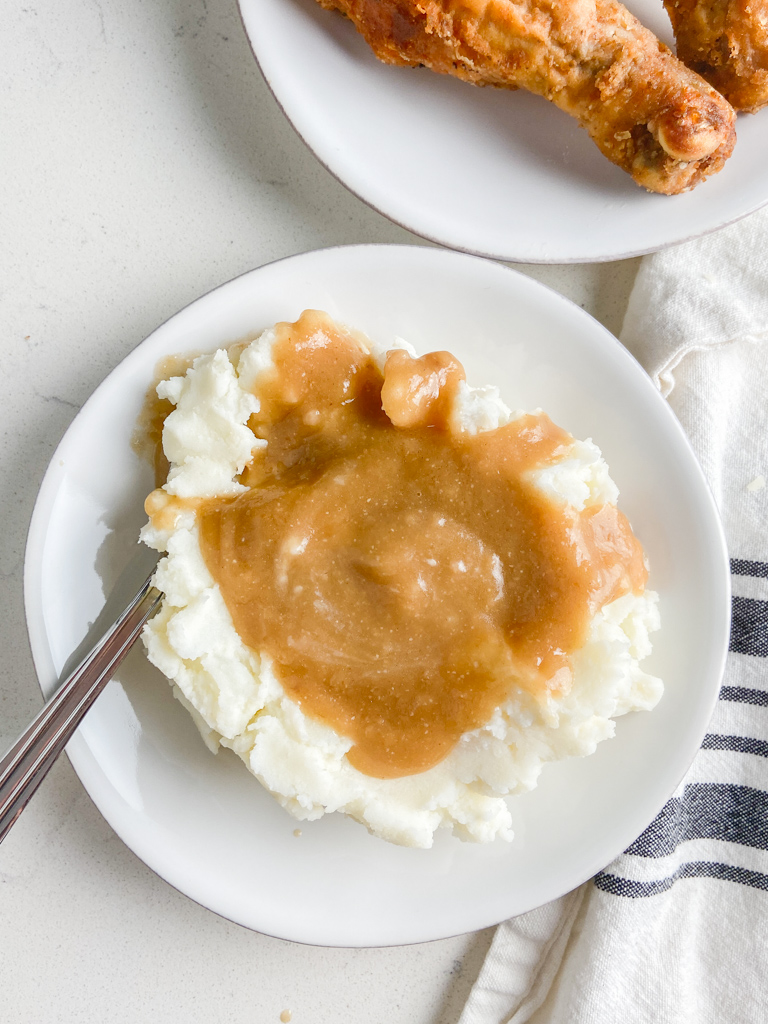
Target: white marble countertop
143,161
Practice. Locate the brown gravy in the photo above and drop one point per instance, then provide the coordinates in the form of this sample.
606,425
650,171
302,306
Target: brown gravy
403,576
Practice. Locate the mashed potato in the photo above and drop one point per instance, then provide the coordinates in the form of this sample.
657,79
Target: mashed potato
236,699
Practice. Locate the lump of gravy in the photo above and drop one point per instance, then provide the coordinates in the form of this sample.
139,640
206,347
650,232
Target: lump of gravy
404,576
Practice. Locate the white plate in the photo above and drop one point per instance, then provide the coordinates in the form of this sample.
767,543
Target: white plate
203,822
488,171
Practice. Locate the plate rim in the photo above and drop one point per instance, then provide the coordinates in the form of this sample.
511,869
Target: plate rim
80,754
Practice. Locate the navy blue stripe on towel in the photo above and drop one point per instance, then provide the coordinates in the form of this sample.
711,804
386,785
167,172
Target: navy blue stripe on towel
749,627
732,814
694,869
744,695
739,744
743,567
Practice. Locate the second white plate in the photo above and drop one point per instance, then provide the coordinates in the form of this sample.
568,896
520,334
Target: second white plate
488,171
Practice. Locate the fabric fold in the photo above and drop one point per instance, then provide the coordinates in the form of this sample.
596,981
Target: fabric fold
697,296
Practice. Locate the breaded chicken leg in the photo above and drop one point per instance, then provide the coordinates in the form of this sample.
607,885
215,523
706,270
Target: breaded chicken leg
643,108
725,41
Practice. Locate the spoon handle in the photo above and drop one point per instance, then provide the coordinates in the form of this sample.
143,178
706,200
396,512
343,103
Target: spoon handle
28,761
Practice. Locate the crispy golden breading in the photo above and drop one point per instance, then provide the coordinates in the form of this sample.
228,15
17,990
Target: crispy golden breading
643,108
725,41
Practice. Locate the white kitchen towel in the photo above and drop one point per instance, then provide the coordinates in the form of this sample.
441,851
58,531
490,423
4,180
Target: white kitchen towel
675,931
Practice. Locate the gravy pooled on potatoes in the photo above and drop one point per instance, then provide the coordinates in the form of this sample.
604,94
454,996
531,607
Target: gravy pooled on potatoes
401,573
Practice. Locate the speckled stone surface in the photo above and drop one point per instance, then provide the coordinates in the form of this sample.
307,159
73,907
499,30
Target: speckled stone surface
142,162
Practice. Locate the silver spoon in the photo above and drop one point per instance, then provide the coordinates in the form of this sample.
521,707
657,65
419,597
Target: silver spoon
30,758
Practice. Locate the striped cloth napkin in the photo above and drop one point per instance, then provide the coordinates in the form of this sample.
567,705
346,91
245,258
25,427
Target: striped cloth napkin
675,931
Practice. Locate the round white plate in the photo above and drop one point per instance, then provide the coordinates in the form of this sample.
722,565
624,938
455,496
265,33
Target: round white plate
202,822
488,171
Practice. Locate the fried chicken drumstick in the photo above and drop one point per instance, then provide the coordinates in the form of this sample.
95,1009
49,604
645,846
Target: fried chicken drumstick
643,108
726,42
